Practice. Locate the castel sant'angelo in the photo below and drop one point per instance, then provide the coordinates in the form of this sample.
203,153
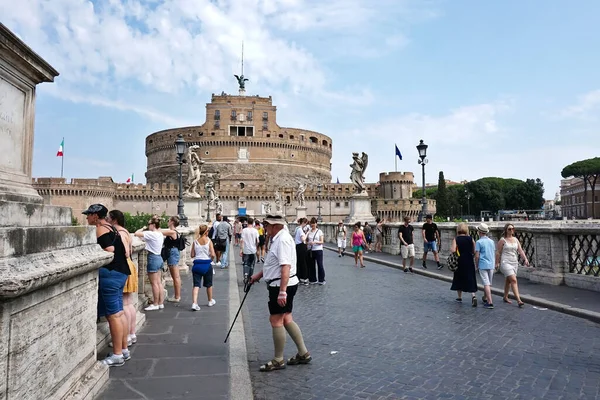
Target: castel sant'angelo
244,159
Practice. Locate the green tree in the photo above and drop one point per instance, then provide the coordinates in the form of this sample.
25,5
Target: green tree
589,171
139,220
442,196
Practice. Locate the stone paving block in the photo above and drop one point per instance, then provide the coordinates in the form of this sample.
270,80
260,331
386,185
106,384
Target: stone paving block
403,336
191,366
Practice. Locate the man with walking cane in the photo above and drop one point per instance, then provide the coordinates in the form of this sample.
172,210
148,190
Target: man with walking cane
279,271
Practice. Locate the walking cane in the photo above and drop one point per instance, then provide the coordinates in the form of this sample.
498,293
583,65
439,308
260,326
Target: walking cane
247,287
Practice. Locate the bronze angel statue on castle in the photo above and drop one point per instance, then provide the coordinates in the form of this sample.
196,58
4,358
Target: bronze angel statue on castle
241,81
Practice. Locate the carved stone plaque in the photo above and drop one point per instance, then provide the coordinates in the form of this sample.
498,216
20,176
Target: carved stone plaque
243,154
12,108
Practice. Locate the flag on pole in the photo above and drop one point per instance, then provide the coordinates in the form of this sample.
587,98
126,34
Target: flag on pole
398,153
338,179
130,179
59,153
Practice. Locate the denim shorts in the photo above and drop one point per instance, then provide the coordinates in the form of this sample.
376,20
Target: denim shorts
430,246
110,291
173,256
155,263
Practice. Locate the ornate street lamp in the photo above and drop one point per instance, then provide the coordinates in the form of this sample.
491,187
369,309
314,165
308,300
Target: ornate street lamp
422,148
207,203
180,149
319,192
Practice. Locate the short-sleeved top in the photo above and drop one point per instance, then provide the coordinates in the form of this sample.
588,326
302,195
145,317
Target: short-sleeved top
430,230
119,261
315,236
487,252
261,231
215,225
282,251
341,231
223,230
298,235
368,230
249,239
154,241
407,233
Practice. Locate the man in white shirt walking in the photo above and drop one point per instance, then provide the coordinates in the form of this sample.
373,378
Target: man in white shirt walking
248,246
279,271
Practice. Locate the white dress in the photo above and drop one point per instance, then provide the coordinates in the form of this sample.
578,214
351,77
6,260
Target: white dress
509,259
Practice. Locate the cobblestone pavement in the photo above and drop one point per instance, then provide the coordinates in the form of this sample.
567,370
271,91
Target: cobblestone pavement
402,336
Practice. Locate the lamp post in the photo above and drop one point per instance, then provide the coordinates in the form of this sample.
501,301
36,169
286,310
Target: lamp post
207,203
180,149
468,202
319,191
422,148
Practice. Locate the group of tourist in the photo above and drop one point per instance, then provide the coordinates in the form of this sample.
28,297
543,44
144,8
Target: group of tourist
483,257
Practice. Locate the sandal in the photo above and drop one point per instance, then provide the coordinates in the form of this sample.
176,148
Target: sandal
521,304
504,299
298,359
272,365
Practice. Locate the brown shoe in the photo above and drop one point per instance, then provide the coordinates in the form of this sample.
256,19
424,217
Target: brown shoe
298,359
272,365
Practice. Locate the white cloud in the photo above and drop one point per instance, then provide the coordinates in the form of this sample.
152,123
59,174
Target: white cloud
586,107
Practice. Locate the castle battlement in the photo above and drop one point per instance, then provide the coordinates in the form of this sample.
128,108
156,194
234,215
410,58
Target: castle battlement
397,177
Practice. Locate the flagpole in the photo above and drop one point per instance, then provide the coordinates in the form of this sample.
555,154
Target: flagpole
395,157
62,159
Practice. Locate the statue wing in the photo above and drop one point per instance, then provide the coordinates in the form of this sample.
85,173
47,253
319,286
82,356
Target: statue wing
237,77
365,161
246,79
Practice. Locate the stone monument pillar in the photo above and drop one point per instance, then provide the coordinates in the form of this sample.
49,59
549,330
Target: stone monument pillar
48,268
360,209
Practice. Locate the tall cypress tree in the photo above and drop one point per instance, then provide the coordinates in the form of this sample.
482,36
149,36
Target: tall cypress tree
442,197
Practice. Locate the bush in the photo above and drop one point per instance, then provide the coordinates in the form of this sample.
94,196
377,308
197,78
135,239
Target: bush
74,221
139,220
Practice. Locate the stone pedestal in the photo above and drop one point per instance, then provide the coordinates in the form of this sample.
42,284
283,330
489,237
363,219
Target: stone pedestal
360,209
48,268
193,211
300,212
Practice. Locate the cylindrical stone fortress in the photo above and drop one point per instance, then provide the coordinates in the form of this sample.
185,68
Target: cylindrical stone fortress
241,137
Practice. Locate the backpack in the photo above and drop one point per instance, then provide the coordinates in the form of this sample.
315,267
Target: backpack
181,242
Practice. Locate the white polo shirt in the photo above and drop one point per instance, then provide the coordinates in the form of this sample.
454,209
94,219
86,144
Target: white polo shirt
282,251
249,240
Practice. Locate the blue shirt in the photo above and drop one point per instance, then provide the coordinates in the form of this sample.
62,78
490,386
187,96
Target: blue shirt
487,252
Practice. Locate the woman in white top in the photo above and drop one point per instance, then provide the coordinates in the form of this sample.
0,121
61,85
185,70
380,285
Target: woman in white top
301,251
507,259
202,253
154,242
315,240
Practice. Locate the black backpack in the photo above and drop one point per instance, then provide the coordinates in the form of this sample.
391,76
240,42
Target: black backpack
181,242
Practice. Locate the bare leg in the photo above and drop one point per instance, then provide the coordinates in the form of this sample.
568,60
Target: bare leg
195,294
116,331
125,330
209,293
174,270
356,259
459,294
515,287
129,310
488,293
360,257
506,287
156,287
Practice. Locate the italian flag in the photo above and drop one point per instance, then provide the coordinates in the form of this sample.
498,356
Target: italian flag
59,153
130,179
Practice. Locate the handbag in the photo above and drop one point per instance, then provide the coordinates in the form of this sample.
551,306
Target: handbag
452,262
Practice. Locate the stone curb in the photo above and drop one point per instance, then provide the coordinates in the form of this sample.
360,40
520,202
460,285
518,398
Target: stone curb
240,385
536,301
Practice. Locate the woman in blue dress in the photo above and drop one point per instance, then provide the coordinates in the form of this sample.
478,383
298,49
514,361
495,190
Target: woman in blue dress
465,279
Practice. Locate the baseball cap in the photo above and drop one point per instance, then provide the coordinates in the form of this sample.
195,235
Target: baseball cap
97,209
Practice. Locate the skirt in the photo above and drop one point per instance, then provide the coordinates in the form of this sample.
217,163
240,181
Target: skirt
131,286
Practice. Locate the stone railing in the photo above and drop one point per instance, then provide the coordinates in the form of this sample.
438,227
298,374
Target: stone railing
561,252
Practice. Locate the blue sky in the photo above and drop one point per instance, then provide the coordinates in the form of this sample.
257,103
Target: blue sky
507,89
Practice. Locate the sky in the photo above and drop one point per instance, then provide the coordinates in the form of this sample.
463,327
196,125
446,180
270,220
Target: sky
495,88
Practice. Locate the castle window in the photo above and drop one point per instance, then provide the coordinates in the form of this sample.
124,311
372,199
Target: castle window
337,204
235,130
293,155
324,142
200,133
268,135
212,134
265,116
206,153
302,137
281,135
265,125
233,115
249,116
314,139
242,185
150,141
217,124
345,204
217,115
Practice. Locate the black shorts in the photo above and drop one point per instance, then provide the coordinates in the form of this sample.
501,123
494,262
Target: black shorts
274,307
261,241
220,244
207,277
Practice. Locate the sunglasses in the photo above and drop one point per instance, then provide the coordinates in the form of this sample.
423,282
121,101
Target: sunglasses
510,229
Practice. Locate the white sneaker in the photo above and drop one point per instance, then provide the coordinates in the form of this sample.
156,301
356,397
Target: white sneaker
321,283
152,307
212,303
218,264
212,263
195,307
133,339
173,300
161,306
